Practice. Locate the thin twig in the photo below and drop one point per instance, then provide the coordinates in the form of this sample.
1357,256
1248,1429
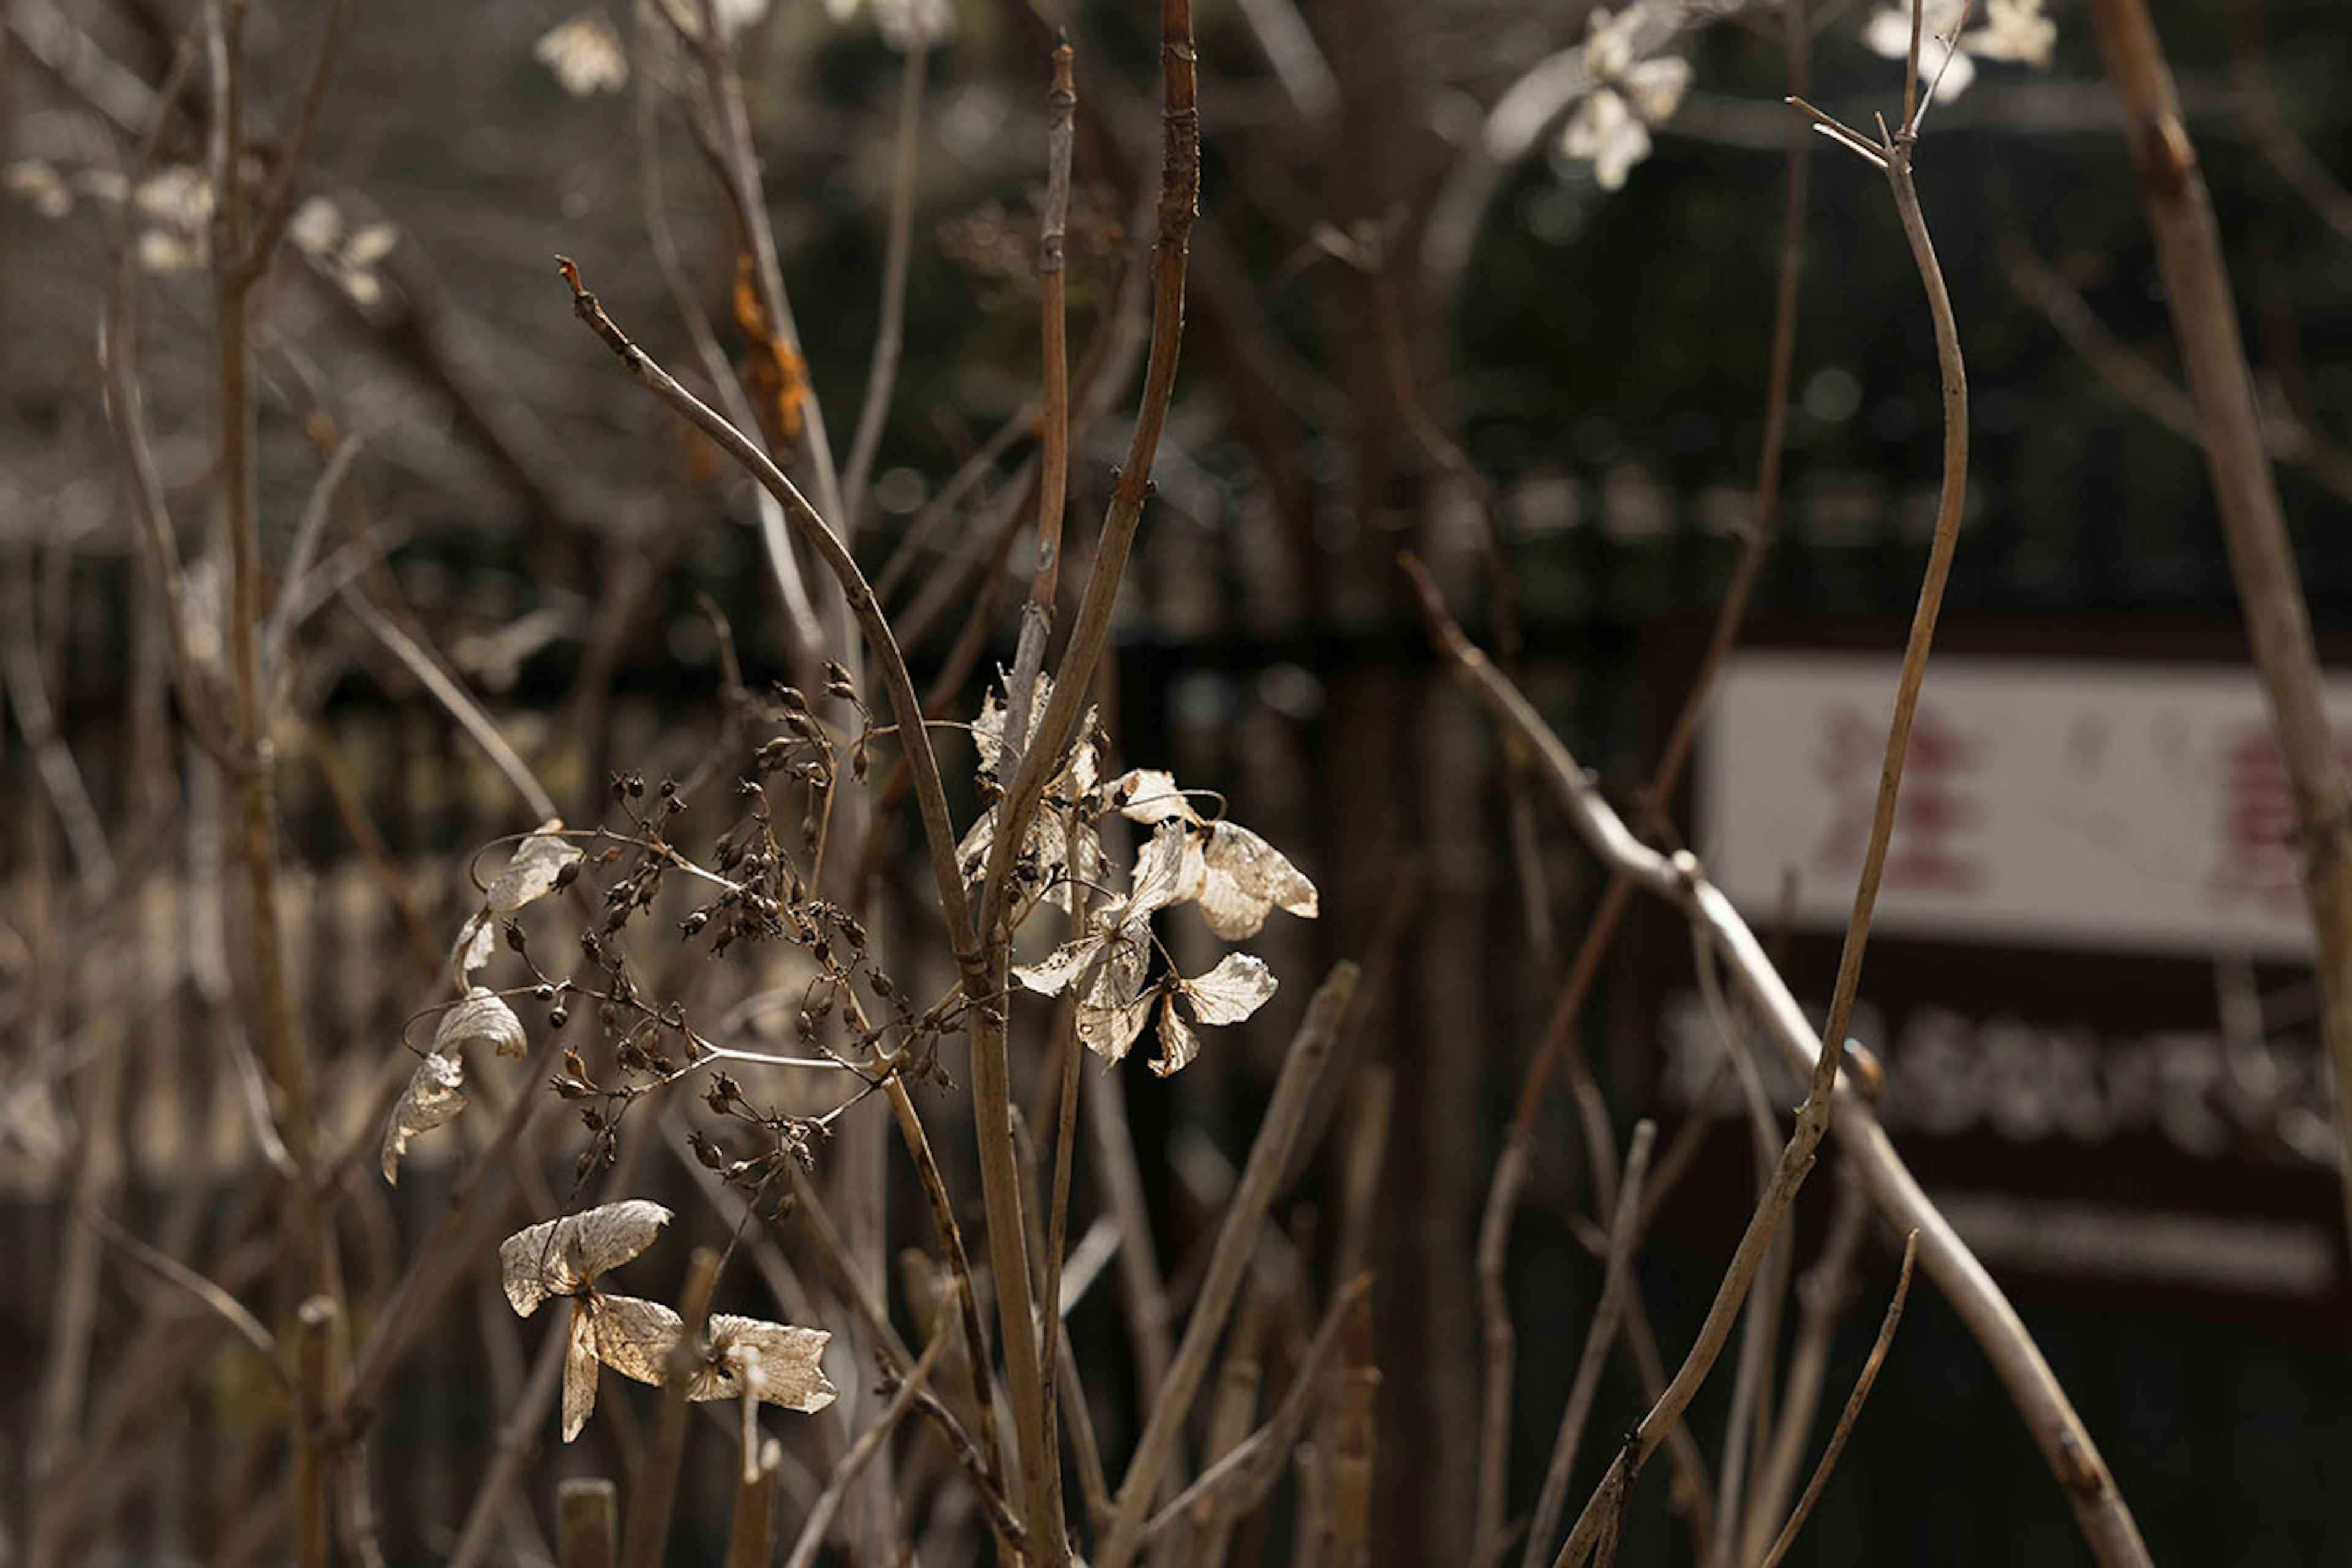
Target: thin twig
1247,1471
2253,524
906,707
1498,1345
1844,1429
1236,1239
1822,1293
223,1305
2065,1443
898,249
1624,1234
869,1443
459,703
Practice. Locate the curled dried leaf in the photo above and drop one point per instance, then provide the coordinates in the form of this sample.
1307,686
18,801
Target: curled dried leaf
431,1098
538,864
563,1257
483,1019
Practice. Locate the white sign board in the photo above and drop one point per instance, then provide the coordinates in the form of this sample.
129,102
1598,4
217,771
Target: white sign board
2125,806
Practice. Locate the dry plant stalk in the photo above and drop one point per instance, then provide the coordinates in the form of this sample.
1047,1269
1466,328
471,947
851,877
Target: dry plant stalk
2253,525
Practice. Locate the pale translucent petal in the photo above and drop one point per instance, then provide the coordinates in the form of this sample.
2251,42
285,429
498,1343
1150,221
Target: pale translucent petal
1243,876
478,939
563,1257
1159,878
532,871
483,1019
1050,975
1177,1043
788,1358
1110,1032
579,1370
431,1098
1151,794
1238,987
634,1337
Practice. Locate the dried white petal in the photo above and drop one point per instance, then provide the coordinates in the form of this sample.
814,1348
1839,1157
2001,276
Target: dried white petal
634,1337
585,55
1177,1043
1151,794
578,1369
1160,869
538,861
1238,987
478,939
1110,1031
1242,877
563,1257
431,1098
788,1358
483,1019
1050,975
988,731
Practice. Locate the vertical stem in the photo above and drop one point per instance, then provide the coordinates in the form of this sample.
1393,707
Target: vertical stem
2253,523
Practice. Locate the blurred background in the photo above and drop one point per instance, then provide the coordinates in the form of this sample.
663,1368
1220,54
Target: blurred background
1410,302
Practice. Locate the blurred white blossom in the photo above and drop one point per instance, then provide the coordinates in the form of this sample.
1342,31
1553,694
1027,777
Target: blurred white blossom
2015,31
40,187
902,22
585,55
347,255
1611,127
